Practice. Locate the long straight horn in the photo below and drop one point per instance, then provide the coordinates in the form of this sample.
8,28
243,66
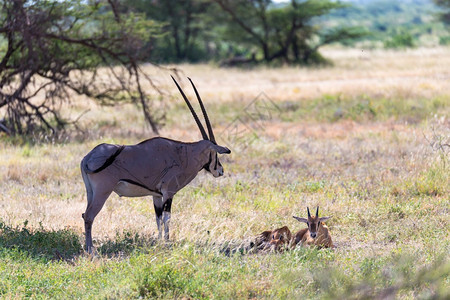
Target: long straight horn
199,124
205,115
317,212
309,215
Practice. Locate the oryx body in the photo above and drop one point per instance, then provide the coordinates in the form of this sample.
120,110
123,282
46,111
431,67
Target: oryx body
157,167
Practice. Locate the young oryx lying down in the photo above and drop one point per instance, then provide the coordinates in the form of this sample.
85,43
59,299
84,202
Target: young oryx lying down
157,167
273,240
316,233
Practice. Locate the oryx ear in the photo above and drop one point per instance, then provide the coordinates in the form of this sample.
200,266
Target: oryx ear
300,219
321,219
220,149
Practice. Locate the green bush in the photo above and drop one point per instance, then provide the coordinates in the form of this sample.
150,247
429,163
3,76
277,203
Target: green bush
401,40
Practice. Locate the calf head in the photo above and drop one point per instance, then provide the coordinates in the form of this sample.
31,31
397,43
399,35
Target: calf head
279,238
312,222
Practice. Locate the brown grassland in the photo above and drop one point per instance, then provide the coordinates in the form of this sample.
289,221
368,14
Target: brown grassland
367,139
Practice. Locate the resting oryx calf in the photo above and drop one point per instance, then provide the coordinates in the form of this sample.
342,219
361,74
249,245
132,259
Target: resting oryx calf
316,234
274,240
157,167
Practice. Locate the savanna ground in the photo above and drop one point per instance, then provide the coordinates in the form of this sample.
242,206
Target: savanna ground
366,139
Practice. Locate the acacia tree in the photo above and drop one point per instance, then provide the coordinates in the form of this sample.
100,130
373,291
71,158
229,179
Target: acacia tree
285,32
183,24
51,50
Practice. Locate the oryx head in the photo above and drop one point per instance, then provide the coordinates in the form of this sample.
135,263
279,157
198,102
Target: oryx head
213,165
312,222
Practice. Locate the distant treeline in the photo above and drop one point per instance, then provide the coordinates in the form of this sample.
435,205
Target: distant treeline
250,31
240,31
397,23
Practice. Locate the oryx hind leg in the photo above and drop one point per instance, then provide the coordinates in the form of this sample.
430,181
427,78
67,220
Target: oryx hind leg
96,200
87,183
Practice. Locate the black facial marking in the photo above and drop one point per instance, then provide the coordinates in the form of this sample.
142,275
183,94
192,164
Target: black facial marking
206,166
215,165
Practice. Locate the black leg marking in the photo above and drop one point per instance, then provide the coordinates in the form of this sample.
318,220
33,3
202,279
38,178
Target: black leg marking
158,211
167,205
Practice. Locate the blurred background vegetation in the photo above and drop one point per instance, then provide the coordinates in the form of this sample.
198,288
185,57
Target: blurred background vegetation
289,31
52,50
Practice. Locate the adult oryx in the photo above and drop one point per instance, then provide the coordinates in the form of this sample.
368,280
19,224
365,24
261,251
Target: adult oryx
159,167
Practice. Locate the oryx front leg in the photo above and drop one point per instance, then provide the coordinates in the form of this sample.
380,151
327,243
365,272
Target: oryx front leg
158,205
166,217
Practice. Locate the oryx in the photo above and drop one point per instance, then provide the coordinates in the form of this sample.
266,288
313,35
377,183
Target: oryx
316,233
157,167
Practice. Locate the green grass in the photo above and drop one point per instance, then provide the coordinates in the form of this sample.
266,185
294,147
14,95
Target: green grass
363,108
203,272
337,107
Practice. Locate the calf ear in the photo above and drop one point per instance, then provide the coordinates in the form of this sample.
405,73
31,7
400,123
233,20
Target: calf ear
300,219
321,219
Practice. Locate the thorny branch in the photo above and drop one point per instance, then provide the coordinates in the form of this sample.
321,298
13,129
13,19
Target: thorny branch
50,56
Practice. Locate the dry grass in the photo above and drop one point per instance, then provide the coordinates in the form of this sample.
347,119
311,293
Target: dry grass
383,178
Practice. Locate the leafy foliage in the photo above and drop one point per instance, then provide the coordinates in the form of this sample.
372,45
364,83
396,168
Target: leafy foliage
184,30
52,50
392,24
285,32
